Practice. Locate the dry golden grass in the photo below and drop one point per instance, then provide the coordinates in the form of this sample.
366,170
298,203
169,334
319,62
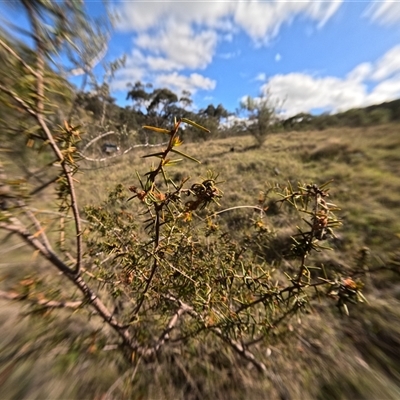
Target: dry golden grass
364,164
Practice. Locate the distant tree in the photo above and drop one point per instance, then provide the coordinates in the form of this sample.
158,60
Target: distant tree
161,102
157,105
209,111
218,112
221,112
262,116
185,99
138,94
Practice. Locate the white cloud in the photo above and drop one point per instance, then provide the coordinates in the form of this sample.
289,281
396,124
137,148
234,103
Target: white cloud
151,63
136,71
129,74
388,64
385,91
259,19
181,44
233,120
191,83
322,11
385,12
262,20
140,16
278,57
360,73
228,56
261,77
170,49
303,92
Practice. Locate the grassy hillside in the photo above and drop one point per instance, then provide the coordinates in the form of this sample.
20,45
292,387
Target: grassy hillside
323,355
364,164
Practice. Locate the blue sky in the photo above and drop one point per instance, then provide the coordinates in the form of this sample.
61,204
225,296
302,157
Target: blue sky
313,55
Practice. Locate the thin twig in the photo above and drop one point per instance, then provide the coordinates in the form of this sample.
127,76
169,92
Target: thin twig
36,210
155,265
88,144
14,54
40,65
120,154
15,226
183,308
16,246
40,302
240,349
238,207
44,186
21,102
38,226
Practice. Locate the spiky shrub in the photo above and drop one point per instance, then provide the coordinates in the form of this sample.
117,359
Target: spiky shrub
187,279
168,290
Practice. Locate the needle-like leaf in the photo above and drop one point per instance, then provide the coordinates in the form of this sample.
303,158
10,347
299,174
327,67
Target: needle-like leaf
158,130
185,155
188,121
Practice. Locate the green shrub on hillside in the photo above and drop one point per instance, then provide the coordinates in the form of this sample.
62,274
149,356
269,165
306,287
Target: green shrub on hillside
380,116
262,117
